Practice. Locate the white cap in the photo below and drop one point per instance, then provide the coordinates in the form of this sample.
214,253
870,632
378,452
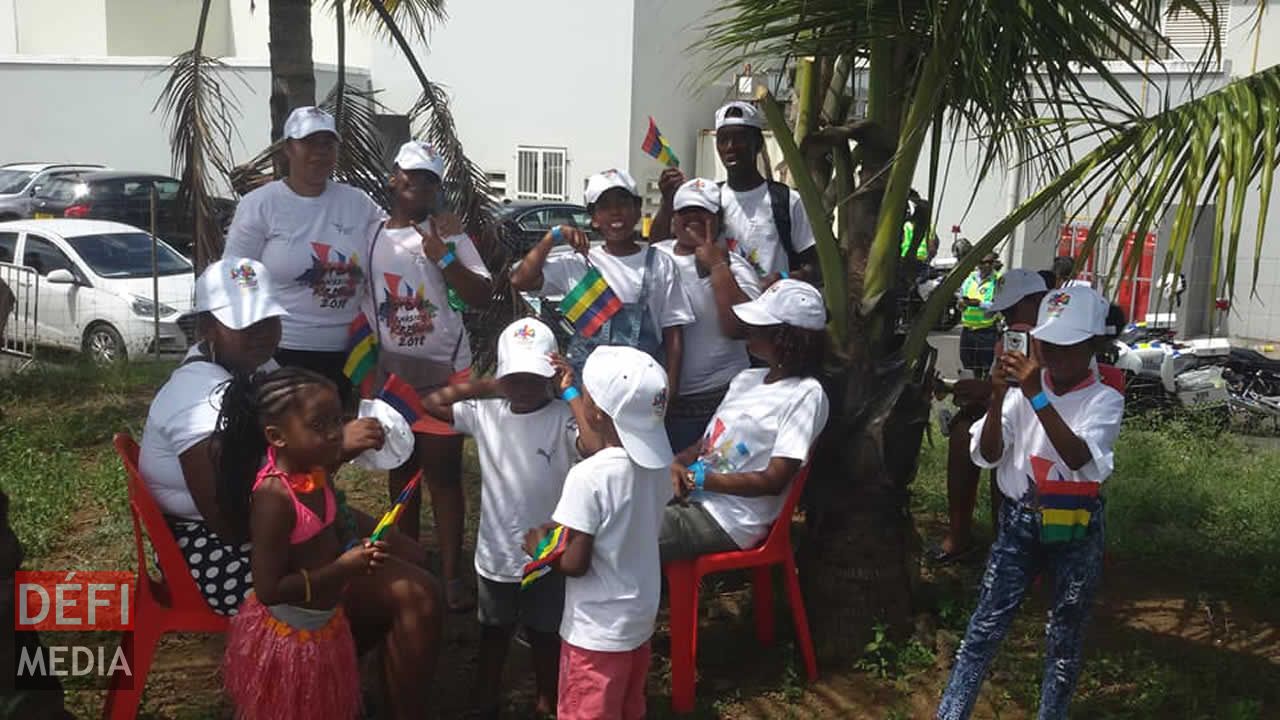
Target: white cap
307,121
417,155
746,114
1015,285
1071,315
789,302
632,389
698,192
523,348
601,183
238,291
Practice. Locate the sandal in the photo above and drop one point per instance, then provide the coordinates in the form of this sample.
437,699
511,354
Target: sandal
938,556
459,596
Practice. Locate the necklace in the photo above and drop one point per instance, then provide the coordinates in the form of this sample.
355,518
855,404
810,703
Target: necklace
306,482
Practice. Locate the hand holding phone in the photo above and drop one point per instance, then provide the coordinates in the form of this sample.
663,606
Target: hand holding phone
1015,341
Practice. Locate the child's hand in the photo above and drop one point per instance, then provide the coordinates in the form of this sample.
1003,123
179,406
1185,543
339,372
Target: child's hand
708,252
362,434
1023,369
670,180
533,538
575,238
564,374
364,558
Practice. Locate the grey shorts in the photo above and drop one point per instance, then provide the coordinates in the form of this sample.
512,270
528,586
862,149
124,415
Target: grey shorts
689,531
537,607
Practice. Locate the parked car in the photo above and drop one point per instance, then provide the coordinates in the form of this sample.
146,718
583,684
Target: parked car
524,222
94,289
20,181
124,197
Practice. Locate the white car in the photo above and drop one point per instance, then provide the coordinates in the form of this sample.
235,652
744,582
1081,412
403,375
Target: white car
93,286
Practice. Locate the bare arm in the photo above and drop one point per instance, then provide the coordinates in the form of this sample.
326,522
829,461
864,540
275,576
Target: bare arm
770,481
1073,451
198,472
589,441
474,288
668,182
439,404
673,346
527,276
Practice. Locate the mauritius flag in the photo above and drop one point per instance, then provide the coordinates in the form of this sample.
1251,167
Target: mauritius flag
1066,506
400,395
590,303
657,146
551,547
362,354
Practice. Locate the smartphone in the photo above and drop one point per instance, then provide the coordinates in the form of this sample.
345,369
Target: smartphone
1016,341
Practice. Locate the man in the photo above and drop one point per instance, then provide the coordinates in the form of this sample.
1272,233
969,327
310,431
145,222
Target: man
978,335
918,217
763,221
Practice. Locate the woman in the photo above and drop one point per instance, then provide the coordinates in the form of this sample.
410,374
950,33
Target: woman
736,480
423,272
239,325
313,235
715,280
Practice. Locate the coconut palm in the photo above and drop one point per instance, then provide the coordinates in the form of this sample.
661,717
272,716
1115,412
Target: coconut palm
1012,75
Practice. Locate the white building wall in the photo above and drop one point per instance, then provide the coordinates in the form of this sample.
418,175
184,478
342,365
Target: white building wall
70,28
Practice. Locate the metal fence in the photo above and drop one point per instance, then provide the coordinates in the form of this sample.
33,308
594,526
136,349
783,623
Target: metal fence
19,305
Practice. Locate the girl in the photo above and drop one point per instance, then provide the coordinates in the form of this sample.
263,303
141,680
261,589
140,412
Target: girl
654,305
313,235
715,280
761,434
420,266
289,649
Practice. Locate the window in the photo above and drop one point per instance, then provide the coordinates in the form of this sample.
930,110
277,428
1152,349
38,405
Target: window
126,255
44,257
63,189
541,173
14,181
546,218
8,244
1191,34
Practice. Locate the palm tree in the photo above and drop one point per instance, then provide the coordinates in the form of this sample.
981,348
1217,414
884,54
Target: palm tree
1012,75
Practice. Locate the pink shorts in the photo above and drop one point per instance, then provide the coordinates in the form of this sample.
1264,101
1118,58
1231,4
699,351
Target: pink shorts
428,425
595,684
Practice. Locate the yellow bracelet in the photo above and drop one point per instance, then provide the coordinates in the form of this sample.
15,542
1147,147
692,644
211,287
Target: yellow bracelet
306,579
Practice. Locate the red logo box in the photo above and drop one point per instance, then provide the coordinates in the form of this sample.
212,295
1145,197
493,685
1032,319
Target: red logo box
73,600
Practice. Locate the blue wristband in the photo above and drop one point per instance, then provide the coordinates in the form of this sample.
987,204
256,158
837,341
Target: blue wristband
556,234
446,260
569,394
784,274
1040,401
699,470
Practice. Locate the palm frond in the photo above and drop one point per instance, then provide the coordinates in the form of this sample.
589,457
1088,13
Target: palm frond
361,152
417,16
201,115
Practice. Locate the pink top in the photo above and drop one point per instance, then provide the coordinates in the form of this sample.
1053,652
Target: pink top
306,524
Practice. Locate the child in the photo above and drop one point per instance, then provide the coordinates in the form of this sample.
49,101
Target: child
1051,439
654,306
612,508
526,442
715,280
290,649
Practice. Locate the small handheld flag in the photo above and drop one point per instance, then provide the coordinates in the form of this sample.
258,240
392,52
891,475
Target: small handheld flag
362,354
393,514
1066,506
590,303
656,146
400,395
551,547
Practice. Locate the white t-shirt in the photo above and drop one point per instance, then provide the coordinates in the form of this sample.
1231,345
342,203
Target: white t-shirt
183,413
411,301
316,250
613,606
755,422
749,229
668,304
710,359
1092,410
524,458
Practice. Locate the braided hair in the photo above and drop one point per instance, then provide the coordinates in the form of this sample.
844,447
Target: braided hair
800,351
249,404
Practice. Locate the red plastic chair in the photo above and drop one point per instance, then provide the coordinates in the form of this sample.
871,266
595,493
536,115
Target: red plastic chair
685,576
172,604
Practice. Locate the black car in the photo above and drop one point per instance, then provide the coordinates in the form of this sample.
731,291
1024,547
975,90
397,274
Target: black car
124,197
524,222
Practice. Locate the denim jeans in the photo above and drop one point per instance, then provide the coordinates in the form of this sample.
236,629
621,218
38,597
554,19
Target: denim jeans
1074,570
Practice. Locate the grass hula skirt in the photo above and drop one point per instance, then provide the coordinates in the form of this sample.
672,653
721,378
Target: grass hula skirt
273,670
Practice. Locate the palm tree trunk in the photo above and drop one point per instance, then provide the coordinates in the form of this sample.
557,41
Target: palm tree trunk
293,77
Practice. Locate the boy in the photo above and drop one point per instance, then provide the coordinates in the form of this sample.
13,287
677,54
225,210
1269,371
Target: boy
526,443
1051,440
764,221
612,507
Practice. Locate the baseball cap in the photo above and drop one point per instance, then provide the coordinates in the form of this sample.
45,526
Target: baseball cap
789,302
739,113
417,155
523,348
631,388
1071,315
1015,285
307,121
600,183
698,192
238,291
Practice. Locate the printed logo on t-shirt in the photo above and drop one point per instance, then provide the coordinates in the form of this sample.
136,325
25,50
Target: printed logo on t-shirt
750,254
332,277
406,311
343,229
245,276
546,454
719,452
